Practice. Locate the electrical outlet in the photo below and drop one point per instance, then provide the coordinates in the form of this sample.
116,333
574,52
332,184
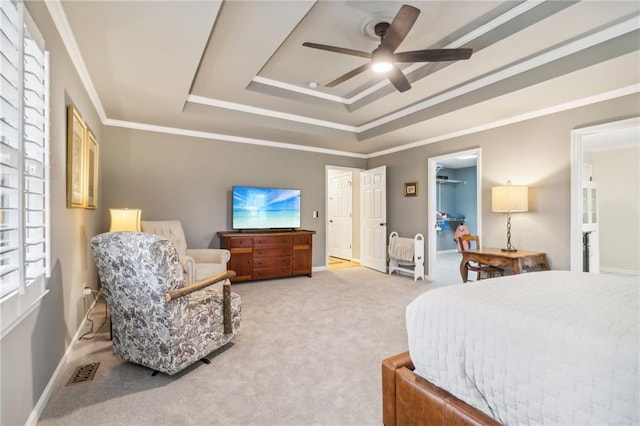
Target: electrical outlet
87,291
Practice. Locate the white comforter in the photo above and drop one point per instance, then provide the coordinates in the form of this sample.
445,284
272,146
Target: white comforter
551,347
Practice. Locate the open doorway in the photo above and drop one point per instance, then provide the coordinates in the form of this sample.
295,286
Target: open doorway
360,233
453,202
604,189
342,213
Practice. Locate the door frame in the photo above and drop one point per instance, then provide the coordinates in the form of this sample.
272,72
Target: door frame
431,201
341,175
327,168
577,160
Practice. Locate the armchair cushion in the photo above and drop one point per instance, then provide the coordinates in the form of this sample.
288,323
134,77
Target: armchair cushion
197,264
137,270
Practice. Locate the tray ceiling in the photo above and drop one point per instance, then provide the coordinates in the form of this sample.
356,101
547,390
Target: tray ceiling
237,70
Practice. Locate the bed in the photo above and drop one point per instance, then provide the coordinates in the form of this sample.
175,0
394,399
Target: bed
550,347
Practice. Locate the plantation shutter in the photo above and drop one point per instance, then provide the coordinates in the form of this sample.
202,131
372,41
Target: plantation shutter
24,158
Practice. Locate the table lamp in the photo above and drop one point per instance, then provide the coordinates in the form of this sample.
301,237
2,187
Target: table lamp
509,198
125,220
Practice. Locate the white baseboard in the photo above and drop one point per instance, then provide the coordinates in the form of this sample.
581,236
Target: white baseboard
618,271
46,394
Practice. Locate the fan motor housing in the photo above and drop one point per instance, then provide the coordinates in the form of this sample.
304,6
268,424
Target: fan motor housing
381,29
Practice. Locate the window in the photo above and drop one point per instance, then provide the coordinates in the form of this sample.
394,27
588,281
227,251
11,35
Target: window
24,158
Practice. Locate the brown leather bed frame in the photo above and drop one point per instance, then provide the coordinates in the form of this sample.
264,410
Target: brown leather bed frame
408,399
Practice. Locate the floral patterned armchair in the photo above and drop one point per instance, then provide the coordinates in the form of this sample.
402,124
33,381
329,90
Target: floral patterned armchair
157,320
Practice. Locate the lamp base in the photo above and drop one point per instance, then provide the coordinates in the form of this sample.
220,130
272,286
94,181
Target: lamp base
509,249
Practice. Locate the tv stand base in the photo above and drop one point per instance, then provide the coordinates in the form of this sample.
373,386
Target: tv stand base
257,255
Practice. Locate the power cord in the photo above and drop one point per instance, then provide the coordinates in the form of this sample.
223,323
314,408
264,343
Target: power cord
96,296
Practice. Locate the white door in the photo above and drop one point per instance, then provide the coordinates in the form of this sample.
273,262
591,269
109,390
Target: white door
340,216
373,205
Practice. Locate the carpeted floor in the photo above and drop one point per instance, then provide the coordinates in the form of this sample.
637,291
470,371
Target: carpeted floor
309,354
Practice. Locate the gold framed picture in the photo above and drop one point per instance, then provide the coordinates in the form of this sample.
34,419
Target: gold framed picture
411,189
76,130
91,177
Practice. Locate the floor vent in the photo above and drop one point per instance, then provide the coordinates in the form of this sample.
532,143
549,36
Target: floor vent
84,373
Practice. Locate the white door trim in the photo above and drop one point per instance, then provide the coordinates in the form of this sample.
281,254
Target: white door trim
577,159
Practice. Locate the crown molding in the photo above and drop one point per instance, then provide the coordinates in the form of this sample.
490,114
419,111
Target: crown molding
227,138
64,29
612,94
628,90
269,113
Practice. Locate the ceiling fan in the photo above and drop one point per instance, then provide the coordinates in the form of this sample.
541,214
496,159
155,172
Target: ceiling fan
383,59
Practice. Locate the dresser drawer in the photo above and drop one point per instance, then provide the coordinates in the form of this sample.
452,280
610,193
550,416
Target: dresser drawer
272,251
278,271
240,242
302,240
269,262
272,241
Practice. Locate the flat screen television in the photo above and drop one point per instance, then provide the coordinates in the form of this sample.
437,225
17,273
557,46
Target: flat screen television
265,208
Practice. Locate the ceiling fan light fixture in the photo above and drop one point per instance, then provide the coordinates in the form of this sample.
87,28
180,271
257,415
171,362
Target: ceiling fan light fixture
384,58
381,61
381,67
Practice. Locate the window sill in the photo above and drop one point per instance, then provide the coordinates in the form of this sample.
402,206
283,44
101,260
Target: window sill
16,308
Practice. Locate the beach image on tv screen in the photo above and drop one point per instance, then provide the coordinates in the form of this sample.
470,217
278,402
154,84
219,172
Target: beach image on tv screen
259,208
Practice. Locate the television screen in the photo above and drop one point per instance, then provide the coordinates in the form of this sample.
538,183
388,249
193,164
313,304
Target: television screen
265,208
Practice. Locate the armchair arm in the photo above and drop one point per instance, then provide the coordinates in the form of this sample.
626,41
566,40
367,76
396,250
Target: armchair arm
210,255
188,267
175,294
226,295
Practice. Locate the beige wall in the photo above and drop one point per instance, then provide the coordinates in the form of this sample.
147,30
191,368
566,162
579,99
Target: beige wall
190,179
534,152
617,176
31,351
184,172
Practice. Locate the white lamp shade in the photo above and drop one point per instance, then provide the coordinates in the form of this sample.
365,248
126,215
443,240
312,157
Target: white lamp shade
510,198
125,220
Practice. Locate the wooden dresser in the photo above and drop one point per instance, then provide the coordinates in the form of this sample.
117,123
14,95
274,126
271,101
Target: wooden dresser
262,255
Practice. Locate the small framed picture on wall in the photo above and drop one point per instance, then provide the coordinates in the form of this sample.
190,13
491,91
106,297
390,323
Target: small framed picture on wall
411,189
91,168
76,130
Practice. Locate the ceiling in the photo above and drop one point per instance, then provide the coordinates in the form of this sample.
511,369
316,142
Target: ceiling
237,70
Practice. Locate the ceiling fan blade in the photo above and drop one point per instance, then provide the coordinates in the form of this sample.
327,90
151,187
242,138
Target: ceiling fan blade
338,50
348,75
400,27
432,55
398,79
